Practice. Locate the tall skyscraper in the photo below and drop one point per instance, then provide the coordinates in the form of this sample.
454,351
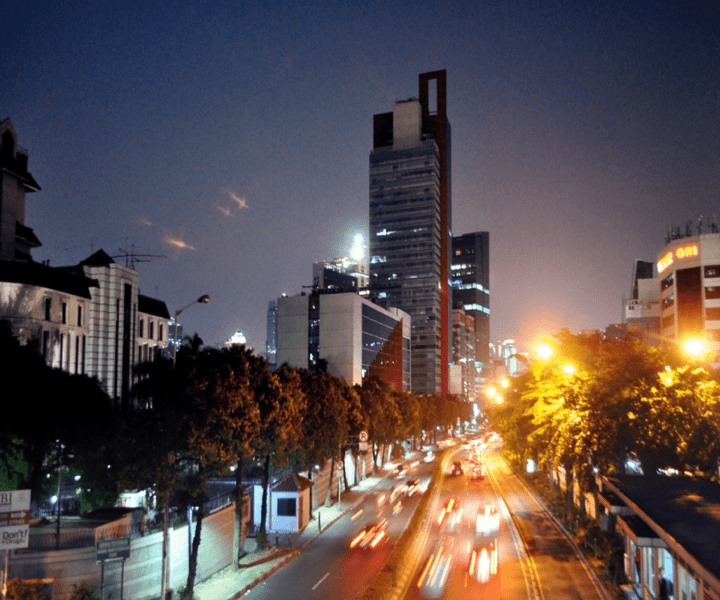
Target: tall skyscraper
471,286
410,220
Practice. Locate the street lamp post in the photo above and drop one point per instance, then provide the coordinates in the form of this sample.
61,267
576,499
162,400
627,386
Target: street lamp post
201,300
204,299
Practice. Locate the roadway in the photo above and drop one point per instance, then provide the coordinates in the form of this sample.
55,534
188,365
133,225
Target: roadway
540,564
329,568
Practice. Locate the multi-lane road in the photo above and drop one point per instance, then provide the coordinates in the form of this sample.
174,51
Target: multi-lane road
540,564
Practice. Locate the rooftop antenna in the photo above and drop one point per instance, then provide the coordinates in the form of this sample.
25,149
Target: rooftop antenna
699,225
713,226
131,258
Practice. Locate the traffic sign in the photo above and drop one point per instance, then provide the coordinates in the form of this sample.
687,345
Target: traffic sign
112,549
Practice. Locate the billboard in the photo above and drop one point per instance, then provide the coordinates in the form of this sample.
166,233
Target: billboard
14,519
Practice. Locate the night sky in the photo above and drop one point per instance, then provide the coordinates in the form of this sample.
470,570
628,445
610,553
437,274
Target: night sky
232,139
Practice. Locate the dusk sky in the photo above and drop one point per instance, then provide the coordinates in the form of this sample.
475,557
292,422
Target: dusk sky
232,139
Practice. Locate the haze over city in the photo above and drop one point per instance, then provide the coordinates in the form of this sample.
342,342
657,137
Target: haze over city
232,140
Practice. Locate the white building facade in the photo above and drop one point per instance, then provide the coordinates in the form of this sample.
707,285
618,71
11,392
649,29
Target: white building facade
349,332
689,273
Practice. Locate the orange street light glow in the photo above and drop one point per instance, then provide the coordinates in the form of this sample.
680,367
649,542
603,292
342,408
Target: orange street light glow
694,347
569,369
544,351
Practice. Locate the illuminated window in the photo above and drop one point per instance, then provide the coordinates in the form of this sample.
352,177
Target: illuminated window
667,282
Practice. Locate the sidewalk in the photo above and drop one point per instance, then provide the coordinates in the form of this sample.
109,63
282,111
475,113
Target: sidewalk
231,582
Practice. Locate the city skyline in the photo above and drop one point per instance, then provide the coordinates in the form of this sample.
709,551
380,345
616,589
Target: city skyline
235,142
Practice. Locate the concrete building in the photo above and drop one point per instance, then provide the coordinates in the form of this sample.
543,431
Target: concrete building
471,285
351,334
125,328
347,273
16,239
641,311
271,339
84,319
462,369
49,309
689,272
669,530
410,225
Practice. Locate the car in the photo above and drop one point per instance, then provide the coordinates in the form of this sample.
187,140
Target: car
400,471
396,490
411,487
487,523
484,560
371,536
457,468
477,475
397,507
430,456
450,516
436,572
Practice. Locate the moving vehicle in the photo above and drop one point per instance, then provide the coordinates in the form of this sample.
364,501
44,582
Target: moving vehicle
487,523
436,572
457,468
371,536
411,487
450,516
484,555
400,471
484,560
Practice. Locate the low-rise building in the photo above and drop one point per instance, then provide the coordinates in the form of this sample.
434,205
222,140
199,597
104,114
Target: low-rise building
353,336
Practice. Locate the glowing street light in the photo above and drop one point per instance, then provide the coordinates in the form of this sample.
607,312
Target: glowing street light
201,300
568,369
694,347
545,351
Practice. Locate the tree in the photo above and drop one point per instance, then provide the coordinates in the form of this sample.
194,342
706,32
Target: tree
77,416
380,413
280,422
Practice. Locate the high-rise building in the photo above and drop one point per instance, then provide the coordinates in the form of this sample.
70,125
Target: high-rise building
271,340
410,225
471,286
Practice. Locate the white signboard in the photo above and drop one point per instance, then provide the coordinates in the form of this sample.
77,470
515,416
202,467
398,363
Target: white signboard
14,519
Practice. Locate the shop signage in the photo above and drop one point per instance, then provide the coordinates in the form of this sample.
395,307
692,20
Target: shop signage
681,252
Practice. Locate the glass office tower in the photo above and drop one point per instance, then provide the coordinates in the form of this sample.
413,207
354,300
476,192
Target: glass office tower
410,226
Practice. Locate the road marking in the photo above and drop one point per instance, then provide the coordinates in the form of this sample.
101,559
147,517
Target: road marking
323,579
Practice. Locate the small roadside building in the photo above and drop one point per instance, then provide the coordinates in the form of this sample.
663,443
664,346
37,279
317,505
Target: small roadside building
288,504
